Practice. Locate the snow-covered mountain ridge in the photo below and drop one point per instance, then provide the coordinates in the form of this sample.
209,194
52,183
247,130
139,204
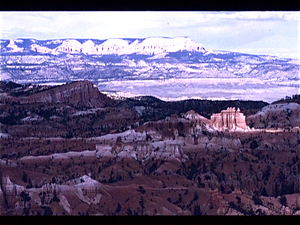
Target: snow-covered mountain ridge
168,68
148,46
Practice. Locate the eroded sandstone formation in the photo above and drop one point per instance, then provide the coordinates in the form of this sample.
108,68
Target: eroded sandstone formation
197,118
77,93
229,119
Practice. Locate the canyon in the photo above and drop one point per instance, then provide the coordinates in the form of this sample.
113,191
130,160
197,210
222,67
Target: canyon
71,150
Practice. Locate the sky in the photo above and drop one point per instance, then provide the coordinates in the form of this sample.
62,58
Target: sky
268,32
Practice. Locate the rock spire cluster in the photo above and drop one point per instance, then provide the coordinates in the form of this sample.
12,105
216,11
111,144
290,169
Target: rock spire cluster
229,119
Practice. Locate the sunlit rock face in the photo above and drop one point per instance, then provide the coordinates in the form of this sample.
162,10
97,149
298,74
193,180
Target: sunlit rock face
229,119
77,93
197,118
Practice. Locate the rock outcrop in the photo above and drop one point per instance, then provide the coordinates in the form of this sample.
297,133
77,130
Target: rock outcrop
197,118
284,115
229,119
77,94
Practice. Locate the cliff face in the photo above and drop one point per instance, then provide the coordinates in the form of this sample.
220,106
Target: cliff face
79,93
229,119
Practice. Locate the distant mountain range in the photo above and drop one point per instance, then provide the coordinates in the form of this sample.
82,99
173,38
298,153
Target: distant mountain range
148,46
159,59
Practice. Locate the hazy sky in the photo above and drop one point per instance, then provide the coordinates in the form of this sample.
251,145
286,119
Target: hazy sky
272,33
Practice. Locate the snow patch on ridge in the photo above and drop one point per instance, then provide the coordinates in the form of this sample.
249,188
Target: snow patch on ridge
116,46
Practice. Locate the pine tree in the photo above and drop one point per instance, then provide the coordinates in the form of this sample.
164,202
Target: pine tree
197,211
24,177
142,204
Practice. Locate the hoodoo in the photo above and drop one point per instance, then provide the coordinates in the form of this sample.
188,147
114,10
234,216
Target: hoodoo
229,119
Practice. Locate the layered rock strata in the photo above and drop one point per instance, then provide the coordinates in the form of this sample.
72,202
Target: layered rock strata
229,119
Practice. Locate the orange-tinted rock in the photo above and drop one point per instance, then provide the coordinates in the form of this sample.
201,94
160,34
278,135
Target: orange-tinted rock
229,119
78,93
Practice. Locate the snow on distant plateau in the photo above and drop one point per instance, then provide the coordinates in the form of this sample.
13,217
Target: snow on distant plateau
149,46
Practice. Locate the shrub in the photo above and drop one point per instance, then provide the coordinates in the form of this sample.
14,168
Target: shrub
197,211
253,144
257,200
238,198
118,209
142,190
196,196
24,177
282,200
264,192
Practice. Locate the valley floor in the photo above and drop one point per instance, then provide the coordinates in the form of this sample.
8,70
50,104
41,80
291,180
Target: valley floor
202,88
